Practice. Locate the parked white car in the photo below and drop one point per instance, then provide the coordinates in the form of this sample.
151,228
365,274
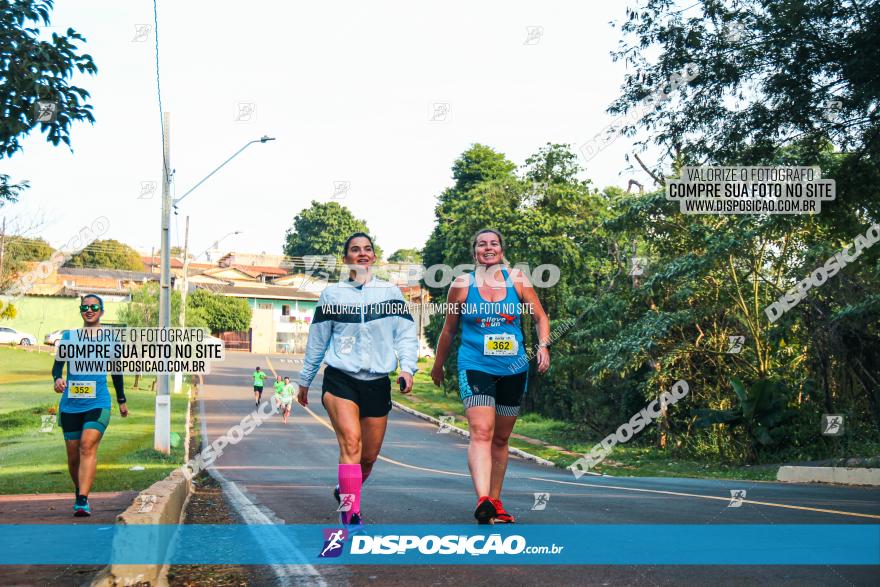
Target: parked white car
53,337
425,351
13,336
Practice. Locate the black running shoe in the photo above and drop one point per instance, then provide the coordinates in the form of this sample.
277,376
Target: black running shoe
485,512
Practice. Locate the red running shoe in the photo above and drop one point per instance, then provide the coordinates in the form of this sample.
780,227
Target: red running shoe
501,515
485,511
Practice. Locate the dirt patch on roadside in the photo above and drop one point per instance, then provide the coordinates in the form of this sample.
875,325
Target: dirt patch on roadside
208,506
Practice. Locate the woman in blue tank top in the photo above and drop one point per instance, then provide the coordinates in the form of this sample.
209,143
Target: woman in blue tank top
492,363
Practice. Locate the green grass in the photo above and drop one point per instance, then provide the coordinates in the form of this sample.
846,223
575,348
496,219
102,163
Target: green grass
557,438
32,461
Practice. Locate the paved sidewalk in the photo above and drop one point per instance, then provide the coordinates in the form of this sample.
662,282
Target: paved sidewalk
56,508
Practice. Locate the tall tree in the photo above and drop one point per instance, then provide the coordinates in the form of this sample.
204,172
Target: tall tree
405,256
221,313
107,254
321,229
35,78
476,165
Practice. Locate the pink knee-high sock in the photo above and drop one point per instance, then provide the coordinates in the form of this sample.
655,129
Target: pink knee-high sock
350,482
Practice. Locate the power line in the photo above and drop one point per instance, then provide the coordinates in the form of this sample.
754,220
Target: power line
159,87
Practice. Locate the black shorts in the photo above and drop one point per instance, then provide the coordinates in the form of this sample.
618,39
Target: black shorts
372,397
73,423
504,392
258,388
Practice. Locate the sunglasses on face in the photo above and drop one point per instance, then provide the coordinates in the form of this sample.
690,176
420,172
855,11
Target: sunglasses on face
92,307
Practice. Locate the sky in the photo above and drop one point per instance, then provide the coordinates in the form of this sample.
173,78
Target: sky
381,97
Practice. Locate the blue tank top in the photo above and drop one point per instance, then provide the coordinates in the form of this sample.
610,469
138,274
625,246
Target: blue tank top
89,390
491,332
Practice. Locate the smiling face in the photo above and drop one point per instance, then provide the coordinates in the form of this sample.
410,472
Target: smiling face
90,316
360,253
487,249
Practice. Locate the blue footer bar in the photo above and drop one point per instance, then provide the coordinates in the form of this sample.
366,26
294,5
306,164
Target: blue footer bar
741,544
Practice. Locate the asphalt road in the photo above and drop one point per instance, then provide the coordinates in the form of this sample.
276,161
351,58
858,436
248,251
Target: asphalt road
285,474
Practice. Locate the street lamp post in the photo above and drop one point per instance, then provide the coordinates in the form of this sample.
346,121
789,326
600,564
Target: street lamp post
162,430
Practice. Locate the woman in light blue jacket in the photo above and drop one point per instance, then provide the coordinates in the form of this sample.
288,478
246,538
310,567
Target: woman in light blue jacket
361,329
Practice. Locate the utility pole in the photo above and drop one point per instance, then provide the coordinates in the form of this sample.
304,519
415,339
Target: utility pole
162,431
2,244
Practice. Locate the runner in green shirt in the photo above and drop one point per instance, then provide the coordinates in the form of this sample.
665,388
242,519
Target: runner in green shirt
286,397
279,386
258,385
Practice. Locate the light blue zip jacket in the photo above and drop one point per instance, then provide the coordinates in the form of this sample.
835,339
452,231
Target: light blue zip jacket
361,329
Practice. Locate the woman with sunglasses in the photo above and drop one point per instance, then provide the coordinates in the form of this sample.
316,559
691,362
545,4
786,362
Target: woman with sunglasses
360,329
84,410
492,366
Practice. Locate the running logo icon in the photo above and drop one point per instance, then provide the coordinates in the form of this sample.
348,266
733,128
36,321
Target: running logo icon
832,425
736,498
346,500
334,538
541,500
445,424
48,423
735,344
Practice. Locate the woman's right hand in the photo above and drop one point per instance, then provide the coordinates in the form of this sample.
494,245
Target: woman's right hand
437,374
60,384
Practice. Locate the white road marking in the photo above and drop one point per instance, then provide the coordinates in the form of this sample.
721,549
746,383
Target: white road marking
270,539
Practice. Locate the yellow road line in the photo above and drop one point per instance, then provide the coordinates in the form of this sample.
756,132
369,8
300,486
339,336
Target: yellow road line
727,499
592,486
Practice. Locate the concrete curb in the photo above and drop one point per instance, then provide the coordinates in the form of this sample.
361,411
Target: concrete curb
839,475
163,502
514,451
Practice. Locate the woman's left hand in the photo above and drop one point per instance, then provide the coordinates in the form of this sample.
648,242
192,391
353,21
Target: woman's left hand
543,360
123,411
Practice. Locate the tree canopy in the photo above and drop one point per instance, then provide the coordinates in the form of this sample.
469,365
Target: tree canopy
35,74
108,254
405,256
322,229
